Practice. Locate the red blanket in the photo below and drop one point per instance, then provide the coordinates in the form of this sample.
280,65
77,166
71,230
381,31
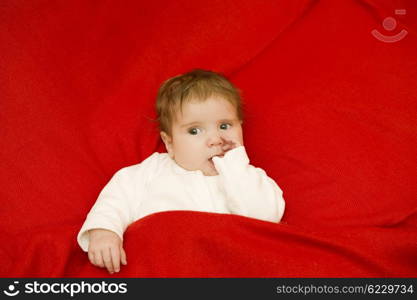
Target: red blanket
330,92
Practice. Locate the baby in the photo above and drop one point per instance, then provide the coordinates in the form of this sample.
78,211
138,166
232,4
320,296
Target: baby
206,169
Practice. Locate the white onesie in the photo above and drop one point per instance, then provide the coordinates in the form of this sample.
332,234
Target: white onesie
159,184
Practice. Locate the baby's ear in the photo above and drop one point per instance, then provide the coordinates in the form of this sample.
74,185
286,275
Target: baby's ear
168,143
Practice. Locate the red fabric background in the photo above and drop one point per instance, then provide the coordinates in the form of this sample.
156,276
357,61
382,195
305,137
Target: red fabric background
330,115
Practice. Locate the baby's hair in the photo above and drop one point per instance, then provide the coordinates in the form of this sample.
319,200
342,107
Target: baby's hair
196,85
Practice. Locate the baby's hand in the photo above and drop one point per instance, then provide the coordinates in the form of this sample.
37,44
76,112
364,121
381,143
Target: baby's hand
106,250
230,144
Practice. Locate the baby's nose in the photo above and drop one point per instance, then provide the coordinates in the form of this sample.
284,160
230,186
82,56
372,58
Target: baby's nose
215,140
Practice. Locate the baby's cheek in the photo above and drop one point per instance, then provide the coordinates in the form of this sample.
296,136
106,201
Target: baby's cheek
238,136
238,141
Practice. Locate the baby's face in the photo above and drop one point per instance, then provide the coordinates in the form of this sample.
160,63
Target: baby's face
203,130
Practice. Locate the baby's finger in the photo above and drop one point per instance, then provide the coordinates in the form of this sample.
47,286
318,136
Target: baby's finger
115,257
235,143
123,256
107,260
230,144
226,147
98,259
91,257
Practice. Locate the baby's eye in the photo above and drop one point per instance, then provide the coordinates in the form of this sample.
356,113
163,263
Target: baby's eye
194,131
225,126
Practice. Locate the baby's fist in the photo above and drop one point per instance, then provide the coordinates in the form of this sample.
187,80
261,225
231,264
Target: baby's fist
106,250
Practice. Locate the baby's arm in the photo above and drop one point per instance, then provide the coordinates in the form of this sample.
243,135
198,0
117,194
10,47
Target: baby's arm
250,192
115,209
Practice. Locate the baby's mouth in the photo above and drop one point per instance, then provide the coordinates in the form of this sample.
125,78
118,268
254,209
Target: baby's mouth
217,155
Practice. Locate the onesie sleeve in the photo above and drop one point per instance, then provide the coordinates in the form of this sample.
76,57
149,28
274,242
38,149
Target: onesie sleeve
250,192
115,207
118,203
